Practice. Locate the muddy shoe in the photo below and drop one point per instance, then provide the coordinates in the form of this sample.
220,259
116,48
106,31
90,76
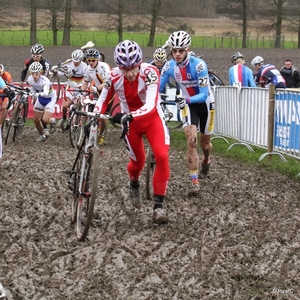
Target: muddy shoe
194,189
135,195
46,132
204,170
160,217
52,126
42,138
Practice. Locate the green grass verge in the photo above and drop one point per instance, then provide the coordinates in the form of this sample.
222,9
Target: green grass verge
107,39
239,152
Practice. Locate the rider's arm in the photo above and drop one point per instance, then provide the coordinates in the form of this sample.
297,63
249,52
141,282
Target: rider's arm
200,72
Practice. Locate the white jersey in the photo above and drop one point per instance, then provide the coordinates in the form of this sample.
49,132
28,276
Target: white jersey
43,85
77,72
97,74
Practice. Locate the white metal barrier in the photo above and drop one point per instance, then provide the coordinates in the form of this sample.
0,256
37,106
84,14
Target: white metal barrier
243,114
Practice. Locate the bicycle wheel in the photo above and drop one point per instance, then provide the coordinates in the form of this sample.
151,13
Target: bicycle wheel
150,165
86,201
115,108
21,119
76,131
56,84
214,79
168,115
12,123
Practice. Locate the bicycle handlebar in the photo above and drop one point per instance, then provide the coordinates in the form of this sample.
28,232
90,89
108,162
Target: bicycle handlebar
102,116
19,89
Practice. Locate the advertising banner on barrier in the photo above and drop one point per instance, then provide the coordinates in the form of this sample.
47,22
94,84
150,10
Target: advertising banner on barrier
287,121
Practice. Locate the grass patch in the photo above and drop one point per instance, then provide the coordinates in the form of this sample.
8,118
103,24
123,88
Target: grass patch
110,39
239,152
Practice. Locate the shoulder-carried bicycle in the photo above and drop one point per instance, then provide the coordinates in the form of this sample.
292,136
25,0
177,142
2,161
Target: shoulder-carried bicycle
19,113
84,175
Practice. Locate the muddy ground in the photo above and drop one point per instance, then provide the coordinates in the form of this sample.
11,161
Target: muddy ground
239,239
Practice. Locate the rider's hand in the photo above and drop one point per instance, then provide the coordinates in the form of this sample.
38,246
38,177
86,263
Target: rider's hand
93,89
54,69
126,118
181,102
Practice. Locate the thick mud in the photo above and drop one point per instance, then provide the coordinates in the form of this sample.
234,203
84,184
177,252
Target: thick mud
239,239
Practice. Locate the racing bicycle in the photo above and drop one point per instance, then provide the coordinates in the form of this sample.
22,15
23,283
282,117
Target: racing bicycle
83,178
19,113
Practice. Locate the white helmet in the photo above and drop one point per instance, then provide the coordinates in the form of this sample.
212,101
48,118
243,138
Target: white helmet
257,60
77,55
179,39
35,67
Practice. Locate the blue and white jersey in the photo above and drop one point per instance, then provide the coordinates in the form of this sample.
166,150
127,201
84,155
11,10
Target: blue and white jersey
268,74
192,77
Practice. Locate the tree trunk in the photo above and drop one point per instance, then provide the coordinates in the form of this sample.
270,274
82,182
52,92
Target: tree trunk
67,25
244,42
33,22
120,20
279,5
155,12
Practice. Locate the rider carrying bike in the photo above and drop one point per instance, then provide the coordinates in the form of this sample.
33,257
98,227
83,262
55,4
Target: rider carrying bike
266,74
137,85
45,99
4,101
73,69
94,78
239,74
37,51
191,74
10,95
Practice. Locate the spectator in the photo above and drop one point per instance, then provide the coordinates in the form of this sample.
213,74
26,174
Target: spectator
291,74
239,74
266,74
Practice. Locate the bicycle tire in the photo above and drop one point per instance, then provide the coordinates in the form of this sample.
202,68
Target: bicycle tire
172,125
115,108
55,79
75,199
76,131
85,205
21,120
12,122
150,164
214,79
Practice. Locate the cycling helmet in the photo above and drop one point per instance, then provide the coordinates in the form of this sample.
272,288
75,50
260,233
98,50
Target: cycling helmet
77,55
128,54
35,67
160,54
257,60
2,69
92,53
37,49
235,56
179,39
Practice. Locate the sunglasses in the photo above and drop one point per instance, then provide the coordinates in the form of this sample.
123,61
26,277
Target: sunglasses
178,50
91,60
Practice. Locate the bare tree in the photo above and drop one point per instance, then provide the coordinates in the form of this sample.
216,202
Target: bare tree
279,17
156,5
55,7
33,22
67,24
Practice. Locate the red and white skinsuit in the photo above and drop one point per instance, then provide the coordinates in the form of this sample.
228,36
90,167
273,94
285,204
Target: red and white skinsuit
141,99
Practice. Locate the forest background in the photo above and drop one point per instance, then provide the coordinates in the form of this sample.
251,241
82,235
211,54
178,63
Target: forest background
277,21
